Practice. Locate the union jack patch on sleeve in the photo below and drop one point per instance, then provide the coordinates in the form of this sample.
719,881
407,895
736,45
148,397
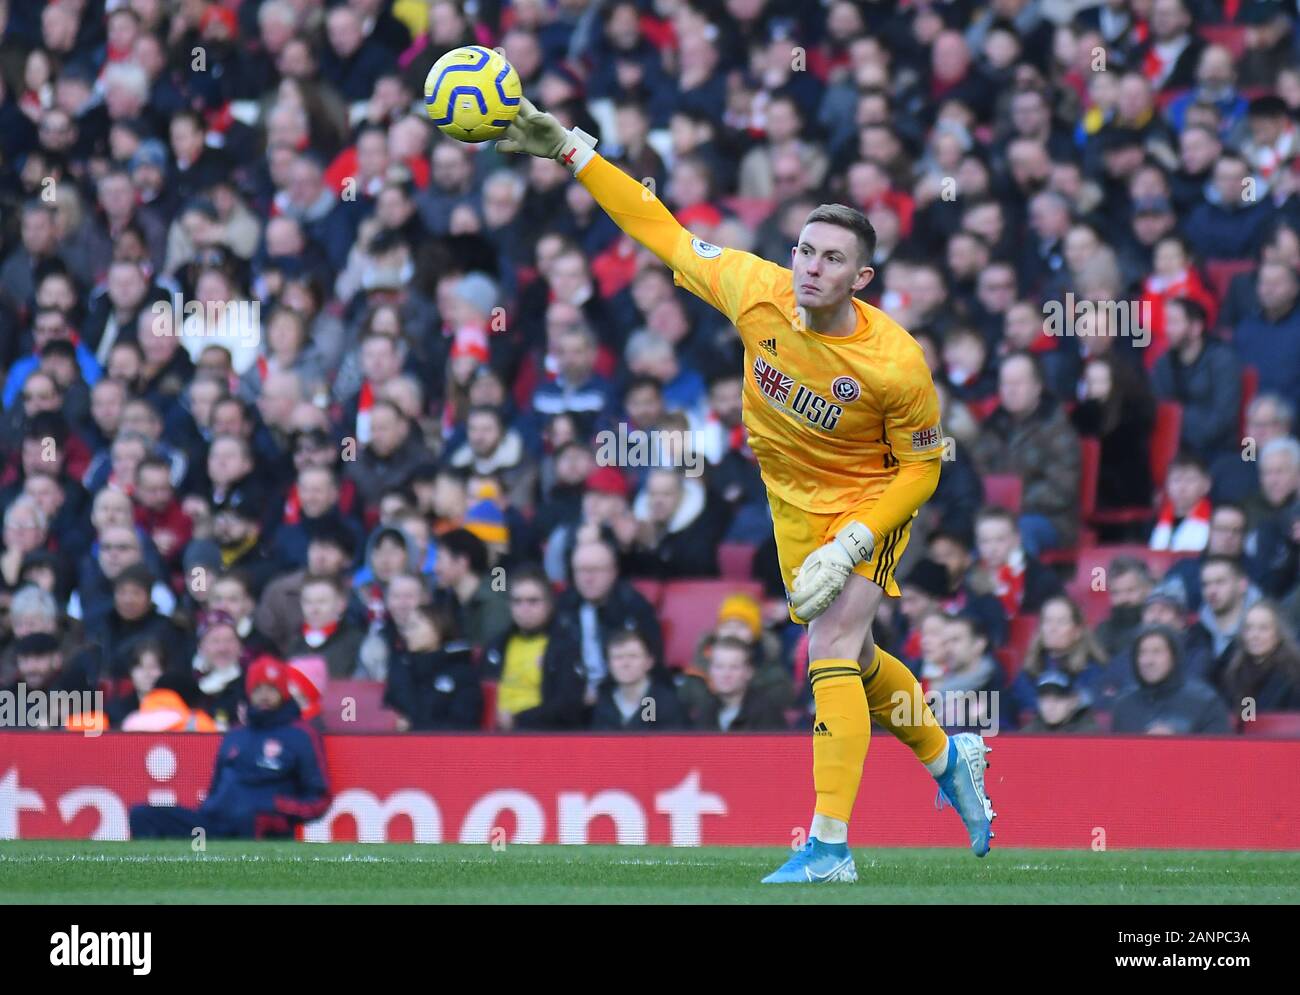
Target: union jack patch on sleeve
926,438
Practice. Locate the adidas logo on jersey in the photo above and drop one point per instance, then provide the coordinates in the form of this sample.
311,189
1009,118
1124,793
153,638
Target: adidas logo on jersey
768,346
820,729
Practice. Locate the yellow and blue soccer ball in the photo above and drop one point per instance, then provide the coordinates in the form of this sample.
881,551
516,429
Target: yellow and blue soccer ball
472,94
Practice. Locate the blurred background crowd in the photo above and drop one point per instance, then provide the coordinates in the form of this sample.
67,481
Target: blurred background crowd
289,374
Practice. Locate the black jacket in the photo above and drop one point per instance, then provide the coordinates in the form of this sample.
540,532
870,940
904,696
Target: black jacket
563,680
666,714
758,713
1209,389
623,608
438,689
1184,704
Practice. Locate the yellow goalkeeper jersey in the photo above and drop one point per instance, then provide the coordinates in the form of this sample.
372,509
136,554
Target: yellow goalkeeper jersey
830,418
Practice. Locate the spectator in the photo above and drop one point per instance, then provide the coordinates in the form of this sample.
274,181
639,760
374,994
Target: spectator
472,592
158,512
390,457
970,684
1236,476
402,594
1227,538
1183,521
41,667
736,704
256,792
279,609
1063,642
1269,339
1224,223
232,593
1202,375
677,529
1263,674
491,447
237,531
325,631
1165,702
538,669
133,617
1028,436
1061,706
633,696
1226,595
1118,411
1273,542
1020,583
1164,606
1128,583
598,604
313,506
219,669
433,684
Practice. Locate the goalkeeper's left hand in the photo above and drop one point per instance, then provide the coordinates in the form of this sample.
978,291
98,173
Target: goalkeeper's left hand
821,577
538,133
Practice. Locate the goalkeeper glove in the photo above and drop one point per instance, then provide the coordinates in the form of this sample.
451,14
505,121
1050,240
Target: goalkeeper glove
540,134
825,570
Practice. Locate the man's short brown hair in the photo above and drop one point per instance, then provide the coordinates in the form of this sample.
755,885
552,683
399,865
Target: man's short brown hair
854,220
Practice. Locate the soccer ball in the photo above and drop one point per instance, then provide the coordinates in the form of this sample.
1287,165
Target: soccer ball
472,94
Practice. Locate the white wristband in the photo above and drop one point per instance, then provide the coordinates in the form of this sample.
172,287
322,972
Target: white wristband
857,541
577,150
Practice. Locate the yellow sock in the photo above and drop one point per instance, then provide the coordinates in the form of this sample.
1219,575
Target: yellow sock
896,702
841,732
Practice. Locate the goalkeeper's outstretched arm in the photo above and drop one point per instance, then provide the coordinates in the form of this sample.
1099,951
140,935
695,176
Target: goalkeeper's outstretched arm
632,206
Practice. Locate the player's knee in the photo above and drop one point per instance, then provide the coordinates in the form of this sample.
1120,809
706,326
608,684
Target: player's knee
835,641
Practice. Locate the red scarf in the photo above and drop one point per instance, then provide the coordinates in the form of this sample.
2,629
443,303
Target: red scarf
292,507
316,638
1191,534
1009,583
365,401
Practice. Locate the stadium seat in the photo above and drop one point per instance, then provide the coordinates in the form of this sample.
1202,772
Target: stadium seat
365,711
1249,388
1221,271
1019,635
1094,604
1230,36
736,560
1089,470
1157,560
1164,440
489,706
650,589
1004,490
689,608
1276,725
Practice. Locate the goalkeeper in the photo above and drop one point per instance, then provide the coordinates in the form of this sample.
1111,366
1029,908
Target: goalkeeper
844,420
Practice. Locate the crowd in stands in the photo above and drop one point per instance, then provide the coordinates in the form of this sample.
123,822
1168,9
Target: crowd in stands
288,374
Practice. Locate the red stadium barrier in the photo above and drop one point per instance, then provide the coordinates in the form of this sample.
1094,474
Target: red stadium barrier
1067,792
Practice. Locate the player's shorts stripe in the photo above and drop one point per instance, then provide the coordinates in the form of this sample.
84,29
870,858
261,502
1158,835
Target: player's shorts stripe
868,678
890,555
886,561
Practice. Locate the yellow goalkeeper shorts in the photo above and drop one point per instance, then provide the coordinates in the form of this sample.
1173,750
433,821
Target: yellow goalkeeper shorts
799,532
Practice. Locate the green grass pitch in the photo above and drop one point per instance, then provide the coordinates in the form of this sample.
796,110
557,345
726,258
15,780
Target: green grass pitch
76,873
